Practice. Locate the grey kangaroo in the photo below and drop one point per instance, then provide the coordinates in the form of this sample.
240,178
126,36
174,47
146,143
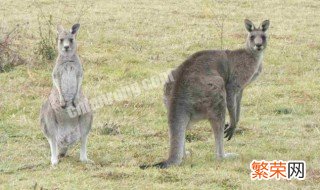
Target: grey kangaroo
59,127
205,85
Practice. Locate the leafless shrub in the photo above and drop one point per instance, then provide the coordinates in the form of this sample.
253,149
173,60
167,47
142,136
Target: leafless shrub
221,14
45,48
9,51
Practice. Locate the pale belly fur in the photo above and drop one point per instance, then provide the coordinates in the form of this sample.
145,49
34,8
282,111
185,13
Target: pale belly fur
69,84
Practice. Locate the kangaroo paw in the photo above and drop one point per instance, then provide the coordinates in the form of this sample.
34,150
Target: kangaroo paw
229,131
63,104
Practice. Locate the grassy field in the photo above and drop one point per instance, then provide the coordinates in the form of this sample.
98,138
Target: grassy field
127,41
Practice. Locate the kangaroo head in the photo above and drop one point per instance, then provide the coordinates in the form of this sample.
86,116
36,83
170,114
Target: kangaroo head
257,37
67,45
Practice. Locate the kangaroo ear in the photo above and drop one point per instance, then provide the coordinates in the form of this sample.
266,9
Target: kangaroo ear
75,28
249,25
265,25
60,28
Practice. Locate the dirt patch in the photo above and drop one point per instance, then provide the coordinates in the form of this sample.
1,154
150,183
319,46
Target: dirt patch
111,175
110,128
241,130
313,174
310,127
192,137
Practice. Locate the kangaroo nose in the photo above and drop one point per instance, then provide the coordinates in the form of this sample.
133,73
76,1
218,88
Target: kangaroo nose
258,45
66,47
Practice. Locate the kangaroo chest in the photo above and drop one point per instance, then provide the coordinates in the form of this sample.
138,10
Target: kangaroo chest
256,74
244,74
257,69
69,85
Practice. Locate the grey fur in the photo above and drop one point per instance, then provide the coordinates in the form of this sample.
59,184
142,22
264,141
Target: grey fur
205,85
61,130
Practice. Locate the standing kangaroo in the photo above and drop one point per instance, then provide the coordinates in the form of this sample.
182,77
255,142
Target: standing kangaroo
59,127
207,83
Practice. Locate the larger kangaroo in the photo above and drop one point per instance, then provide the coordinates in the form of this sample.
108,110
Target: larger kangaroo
59,126
207,83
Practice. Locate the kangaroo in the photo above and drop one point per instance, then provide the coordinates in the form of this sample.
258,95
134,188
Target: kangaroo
60,129
205,85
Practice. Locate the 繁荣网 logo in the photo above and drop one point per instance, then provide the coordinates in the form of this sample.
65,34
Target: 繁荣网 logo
278,169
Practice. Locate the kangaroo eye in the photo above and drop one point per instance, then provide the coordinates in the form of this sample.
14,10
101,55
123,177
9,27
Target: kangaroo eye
71,40
61,40
252,38
263,38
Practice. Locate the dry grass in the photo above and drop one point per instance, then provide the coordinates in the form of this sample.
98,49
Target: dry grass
127,41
